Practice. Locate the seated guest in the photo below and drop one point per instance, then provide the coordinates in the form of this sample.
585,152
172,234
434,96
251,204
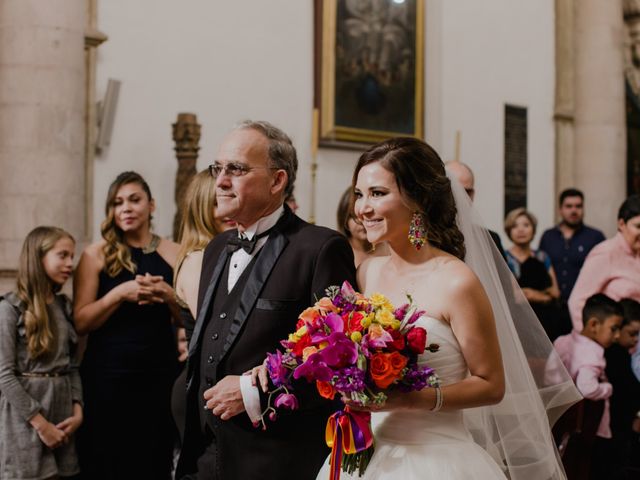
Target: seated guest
583,353
625,401
613,266
355,232
532,269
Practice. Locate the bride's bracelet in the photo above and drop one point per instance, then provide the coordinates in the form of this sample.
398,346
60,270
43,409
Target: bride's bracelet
439,400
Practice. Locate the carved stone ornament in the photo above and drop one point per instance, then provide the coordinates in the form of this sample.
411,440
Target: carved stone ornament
631,10
186,135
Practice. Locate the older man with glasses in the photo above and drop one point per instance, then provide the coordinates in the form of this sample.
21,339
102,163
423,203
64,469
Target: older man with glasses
255,281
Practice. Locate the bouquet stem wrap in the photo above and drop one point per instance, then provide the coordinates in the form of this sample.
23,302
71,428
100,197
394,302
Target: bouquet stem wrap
348,432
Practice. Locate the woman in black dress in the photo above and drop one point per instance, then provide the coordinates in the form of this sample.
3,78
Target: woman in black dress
533,270
124,302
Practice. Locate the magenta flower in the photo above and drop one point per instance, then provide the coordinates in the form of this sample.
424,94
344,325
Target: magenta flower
341,351
333,322
286,400
277,371
314,369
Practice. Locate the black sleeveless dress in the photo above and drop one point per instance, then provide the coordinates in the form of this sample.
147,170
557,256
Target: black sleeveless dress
127,373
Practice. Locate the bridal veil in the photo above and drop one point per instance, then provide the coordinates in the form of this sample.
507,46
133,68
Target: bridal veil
516,432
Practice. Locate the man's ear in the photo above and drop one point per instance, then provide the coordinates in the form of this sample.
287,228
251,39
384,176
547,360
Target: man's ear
279,181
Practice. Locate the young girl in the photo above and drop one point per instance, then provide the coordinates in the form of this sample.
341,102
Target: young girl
40,391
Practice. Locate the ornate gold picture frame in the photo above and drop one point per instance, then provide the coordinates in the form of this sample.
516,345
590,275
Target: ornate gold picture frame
369,69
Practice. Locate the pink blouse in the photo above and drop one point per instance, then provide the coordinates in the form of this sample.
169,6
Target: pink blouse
611,268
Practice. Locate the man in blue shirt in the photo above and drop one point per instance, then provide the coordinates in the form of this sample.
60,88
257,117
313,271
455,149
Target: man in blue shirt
569,243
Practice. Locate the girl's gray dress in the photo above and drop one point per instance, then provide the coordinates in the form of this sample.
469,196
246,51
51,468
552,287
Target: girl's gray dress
47,385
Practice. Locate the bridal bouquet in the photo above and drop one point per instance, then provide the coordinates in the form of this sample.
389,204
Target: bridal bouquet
360,348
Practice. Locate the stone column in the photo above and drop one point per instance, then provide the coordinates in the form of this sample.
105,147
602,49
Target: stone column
41,120
600,142
186,134
564,109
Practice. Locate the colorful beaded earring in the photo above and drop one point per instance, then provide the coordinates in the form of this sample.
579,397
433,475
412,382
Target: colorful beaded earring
417,231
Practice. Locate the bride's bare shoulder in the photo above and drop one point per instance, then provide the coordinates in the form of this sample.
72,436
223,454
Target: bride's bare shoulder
456,276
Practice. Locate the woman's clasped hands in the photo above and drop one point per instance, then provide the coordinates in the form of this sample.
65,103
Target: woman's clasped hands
146,289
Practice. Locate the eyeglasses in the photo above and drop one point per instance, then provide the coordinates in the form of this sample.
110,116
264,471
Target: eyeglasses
232,169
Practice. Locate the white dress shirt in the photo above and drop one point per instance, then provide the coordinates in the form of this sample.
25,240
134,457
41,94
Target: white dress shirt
238,262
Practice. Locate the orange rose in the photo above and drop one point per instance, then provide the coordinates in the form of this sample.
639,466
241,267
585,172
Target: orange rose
326,390
398,361
382,371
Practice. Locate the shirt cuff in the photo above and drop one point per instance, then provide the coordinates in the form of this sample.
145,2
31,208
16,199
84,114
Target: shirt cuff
250,398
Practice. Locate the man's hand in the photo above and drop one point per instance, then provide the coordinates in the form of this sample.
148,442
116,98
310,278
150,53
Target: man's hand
225,398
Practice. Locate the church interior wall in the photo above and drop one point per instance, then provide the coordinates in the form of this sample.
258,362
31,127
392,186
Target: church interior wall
228,61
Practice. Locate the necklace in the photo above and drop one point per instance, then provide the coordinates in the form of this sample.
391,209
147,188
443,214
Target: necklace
153,244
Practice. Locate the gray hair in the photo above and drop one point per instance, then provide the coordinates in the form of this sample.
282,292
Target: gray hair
282,153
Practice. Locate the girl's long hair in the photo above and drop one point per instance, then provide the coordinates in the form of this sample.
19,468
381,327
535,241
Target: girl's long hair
198,225
34,286
117,255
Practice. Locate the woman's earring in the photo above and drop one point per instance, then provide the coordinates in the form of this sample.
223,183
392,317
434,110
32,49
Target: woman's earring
417,231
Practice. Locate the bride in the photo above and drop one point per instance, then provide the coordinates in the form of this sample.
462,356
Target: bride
488,419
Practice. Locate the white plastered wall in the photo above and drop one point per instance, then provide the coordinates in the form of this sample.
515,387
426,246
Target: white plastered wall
227,61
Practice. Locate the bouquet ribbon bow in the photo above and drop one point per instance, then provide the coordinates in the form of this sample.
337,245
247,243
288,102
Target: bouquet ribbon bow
347,431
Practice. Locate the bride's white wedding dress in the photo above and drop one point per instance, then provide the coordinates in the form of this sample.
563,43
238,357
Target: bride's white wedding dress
420,444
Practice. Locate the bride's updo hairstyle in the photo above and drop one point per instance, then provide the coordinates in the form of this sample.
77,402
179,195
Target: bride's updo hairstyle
117,255
423,182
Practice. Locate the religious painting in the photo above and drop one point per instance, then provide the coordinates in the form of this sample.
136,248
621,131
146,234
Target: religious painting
369,69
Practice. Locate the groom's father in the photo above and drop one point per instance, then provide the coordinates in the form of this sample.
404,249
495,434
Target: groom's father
255,281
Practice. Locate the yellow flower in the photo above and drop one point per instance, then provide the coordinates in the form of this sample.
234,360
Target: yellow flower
356,337
323,345
301,331
307,352
385,317
366,321
379,300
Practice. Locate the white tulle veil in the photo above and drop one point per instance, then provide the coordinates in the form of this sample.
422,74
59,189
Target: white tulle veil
515,432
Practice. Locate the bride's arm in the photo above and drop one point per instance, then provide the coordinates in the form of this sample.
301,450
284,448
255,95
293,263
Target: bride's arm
470,315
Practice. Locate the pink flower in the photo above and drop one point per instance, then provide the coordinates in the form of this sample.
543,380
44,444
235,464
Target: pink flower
286,400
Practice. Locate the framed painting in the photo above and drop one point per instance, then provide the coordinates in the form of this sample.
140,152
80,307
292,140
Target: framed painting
368,70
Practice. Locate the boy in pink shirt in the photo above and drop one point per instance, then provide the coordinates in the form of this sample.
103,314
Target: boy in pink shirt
583,353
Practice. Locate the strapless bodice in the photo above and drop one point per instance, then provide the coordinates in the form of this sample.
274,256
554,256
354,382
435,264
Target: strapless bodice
423,426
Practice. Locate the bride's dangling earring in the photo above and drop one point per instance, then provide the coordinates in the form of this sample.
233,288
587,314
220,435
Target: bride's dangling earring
417,231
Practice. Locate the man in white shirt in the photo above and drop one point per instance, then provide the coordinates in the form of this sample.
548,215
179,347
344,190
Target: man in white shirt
255,281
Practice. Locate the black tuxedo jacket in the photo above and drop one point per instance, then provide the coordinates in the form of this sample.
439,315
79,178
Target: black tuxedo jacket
293,269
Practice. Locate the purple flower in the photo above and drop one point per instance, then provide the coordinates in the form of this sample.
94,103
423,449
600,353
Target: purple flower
415,378
314,369
401,311
277,371
349,379
286,400
340,352
273,416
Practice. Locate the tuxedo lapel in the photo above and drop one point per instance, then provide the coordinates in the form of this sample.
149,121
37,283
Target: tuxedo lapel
206,303
265,263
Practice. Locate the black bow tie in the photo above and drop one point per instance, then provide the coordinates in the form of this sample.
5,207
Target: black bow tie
248,245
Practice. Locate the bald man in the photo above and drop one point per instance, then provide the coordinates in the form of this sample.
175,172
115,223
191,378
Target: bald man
463,173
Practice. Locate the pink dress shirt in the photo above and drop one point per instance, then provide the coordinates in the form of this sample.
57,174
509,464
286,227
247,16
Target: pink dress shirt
611,268
584,359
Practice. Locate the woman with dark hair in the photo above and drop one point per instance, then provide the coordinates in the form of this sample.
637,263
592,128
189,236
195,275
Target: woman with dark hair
613,266
349,226
533,270
124,302
442,258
